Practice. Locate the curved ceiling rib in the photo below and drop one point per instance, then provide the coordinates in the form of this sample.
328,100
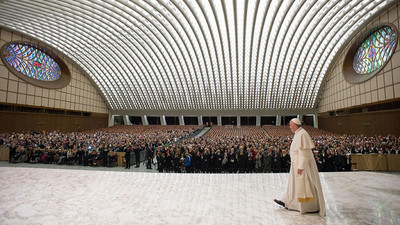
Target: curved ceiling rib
197,55
257,73
265,67
248,57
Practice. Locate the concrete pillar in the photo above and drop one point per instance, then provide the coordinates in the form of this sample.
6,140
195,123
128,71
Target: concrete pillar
181,120
238,121
110,120
219,120
126,120
144,120
300,117
258,120
315,117
200,119
278,120
163,121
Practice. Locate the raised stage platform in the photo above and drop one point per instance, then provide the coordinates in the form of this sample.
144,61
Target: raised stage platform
70,195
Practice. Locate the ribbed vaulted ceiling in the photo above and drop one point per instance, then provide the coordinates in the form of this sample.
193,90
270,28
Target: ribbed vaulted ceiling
215,54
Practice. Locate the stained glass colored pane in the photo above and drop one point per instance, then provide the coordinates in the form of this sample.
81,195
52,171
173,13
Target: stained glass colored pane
32,62
375,51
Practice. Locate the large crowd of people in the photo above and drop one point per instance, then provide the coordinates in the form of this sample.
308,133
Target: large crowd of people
92,148
222,150
252,149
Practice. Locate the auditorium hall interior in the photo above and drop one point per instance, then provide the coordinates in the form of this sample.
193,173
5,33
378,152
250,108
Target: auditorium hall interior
200,112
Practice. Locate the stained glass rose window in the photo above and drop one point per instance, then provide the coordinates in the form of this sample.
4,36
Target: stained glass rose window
32,62
375,51
35,64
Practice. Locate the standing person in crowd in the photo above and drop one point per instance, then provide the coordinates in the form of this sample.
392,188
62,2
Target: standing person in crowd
277,162
104,155
137,155
267,161
242,158
318,160
347,165
339,160
258,166
232,161
225,162
218,161
304,191
29,153
85,158
79,155
249,162
205,159
285,161
128,157
177,161
196,161
329,165
160,161
149,157
212,161
188,163
13,151
168,161
182,163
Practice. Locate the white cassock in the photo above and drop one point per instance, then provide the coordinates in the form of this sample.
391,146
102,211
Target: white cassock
304,192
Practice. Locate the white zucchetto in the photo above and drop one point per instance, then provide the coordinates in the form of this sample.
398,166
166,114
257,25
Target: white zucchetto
296,121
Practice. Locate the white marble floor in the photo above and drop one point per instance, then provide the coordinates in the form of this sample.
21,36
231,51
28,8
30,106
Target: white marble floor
67,196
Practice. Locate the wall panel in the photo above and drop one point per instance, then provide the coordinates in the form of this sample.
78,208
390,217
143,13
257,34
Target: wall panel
24,122
370,123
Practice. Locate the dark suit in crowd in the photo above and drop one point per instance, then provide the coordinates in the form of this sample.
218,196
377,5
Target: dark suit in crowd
86,158
128,158
13,151
329,165
149,157
277,163
137,155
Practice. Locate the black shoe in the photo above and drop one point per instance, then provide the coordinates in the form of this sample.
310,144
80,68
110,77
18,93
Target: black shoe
314,212
279,202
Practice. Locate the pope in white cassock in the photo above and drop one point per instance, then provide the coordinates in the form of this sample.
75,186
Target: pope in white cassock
304,192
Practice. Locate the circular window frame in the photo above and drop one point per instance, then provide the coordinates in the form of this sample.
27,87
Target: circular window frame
61,82
349,74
